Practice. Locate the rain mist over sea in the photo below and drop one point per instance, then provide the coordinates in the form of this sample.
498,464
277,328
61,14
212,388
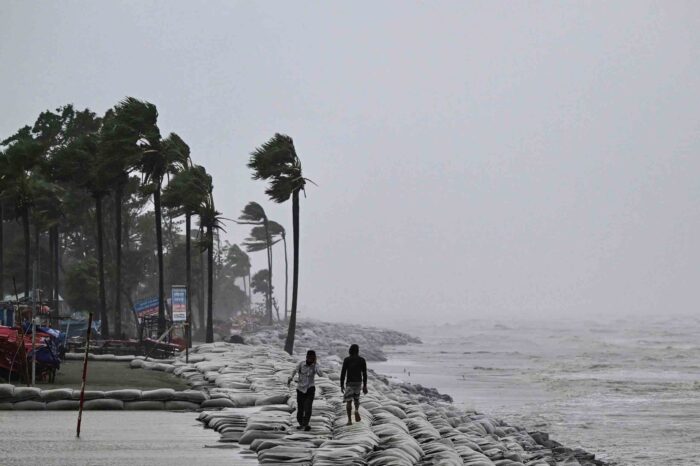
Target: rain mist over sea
627,390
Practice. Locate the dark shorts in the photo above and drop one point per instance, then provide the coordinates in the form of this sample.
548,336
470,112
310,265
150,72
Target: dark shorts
352,391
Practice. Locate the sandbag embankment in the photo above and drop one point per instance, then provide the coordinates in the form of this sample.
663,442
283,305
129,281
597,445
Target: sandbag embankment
34,398
401,425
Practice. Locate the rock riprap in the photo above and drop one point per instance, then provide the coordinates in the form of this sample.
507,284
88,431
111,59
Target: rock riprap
332,338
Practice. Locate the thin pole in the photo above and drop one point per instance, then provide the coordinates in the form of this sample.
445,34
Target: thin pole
85,364
34,325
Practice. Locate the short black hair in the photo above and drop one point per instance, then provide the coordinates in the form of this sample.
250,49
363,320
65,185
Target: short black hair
311,353
354,349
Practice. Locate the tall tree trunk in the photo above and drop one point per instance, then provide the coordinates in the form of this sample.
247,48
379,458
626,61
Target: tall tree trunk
50,285
210,285
268,300
289,344
36,272
104,326
2,252
200,297
286,275
118,195
188,273
27,251
250,295
56,271
159,246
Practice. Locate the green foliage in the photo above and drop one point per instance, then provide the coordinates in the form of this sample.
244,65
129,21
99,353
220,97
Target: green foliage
276,161
81,285
259,283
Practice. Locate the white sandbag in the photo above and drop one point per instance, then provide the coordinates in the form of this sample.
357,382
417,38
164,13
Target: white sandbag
29,405
63,405
103,404
159,394
176,405
56,394
144,405
126,394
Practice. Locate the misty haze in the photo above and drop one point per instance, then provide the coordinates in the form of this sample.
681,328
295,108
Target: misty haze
204,205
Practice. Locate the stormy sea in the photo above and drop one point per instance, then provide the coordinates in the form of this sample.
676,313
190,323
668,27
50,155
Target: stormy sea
627,390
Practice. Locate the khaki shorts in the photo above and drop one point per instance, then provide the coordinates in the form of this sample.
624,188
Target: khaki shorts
352,391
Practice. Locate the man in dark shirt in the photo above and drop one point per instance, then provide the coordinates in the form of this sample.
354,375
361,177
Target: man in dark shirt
355,368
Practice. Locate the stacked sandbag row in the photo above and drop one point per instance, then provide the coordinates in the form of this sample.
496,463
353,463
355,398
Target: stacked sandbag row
396,445
350,444
33,398
229,424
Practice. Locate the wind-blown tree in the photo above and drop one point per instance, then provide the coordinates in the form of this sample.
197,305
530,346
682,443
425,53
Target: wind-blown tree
259,283
158,157
283,234
276,161
82,163
185,194
121,133
21,155
260,238
239,263
209,220
263,238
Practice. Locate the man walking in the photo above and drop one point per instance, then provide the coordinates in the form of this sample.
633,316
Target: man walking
355,368
306,389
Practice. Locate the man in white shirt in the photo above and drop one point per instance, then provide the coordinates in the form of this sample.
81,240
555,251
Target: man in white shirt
306,389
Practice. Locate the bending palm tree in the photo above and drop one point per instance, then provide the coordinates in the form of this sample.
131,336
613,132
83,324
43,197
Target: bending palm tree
260,238
185,194
158,158
263,238
121,156
277,162
210,220
239,262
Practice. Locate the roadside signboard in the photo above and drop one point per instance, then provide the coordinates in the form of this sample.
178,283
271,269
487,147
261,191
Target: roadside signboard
146,307
179,303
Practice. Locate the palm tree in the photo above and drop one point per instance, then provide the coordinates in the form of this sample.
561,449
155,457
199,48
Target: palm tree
259,283
119,143
239,263
158,157
209,220
260,238
185,194
276,161
283,234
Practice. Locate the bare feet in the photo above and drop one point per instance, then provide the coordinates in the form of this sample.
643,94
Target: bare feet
357,416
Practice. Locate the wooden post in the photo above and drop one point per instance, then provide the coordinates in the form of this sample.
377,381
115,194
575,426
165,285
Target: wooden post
85,364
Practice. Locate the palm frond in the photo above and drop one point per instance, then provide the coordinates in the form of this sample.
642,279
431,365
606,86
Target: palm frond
276,161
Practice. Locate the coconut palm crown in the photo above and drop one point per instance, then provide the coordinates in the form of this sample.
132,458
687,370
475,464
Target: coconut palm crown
276,161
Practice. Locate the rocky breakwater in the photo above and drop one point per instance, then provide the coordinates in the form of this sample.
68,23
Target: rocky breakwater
400,425
332,338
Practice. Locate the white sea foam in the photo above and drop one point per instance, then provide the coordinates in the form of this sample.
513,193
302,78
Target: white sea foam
627,391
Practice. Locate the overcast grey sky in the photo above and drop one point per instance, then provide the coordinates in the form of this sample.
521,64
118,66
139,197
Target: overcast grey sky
472,158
